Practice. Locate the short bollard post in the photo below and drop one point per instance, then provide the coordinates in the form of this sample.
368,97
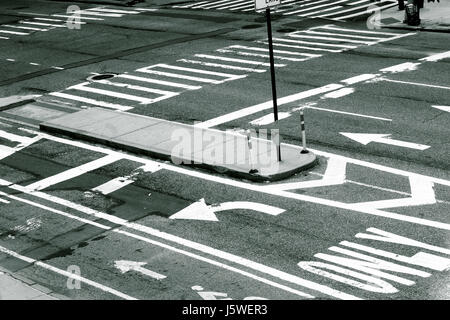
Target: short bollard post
302,124
250,154
401,5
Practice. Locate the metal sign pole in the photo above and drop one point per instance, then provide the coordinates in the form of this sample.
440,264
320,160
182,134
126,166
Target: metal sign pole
272,65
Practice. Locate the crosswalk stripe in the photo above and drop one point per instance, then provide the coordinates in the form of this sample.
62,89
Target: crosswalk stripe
43,24
73,172
316,7
176,75
112,10
91,101
161,82
244,6
232,4
251,54
300,47
355,30
218,65
101,14
84,87
212,5
317,43
319,11
365,12
220,74
328,38
352,9
191,5
77,17
14,32
340,35
48,19
138,88
275,51
24,28
207,56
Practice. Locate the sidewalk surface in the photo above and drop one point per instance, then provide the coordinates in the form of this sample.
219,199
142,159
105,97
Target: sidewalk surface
223,151
434,16
13,287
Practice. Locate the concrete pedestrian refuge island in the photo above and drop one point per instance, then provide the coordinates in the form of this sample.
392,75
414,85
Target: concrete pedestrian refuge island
226,152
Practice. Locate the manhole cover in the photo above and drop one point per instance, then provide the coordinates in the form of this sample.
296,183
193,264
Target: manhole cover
102,76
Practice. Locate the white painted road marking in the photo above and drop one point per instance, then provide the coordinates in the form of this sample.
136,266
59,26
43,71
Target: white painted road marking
73,172
66,274
443,108
125,266
201,211
366,138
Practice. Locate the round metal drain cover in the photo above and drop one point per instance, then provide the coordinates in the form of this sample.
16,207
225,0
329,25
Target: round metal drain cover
102,76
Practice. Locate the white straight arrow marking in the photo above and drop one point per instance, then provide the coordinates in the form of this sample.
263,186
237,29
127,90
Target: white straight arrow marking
443,108
366,138
125,266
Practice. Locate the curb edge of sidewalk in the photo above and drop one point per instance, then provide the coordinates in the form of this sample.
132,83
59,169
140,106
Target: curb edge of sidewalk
34,285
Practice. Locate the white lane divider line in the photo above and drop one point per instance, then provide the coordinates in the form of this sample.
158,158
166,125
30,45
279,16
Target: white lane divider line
66,274
422,193
415,83
4,201
74,172
266,105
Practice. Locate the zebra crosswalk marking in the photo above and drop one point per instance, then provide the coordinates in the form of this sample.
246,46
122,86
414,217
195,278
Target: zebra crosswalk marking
224,66
156,81
85,87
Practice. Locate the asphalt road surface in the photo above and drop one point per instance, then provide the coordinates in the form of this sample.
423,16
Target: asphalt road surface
370,221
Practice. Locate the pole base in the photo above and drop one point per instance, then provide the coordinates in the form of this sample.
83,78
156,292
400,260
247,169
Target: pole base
304,151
